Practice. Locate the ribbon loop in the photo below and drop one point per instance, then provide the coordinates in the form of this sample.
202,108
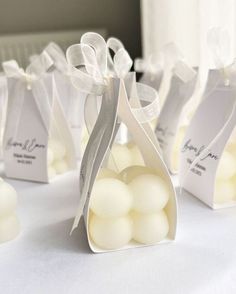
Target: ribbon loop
150,111
58,57
84,71
97,42
153,64
121,63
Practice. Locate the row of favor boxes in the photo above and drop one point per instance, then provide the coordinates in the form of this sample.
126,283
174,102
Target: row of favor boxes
131,137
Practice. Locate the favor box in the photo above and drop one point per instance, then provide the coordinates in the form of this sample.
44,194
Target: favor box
109,177
71,98
98,154
208,152
37,142
157,69
169,129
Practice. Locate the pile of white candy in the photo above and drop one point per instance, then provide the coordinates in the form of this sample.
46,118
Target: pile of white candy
9,223
123,156
129,205
225,188
56,158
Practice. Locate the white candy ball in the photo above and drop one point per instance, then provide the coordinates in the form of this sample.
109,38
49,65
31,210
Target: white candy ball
110,198
150,193
120,157
227,166
51,172
150,228
9,228
50,156
131,172
233,180
8,199
60,166
58,149
110,233
225,191
106,173
137,158
153,124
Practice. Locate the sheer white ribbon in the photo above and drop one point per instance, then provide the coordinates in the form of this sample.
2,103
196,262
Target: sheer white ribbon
167,57
121,65
58,57
153,64
92,65
71,98
31,80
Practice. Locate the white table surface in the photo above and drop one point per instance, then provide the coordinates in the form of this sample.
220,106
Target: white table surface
45,259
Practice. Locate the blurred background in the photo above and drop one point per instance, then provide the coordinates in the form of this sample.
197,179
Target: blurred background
143,26
118,18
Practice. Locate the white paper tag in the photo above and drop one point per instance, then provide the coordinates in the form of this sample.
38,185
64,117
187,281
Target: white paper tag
215,113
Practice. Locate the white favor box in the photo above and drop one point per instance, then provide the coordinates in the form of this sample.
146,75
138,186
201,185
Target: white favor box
183,83
98,148
72,100
205,141
31,121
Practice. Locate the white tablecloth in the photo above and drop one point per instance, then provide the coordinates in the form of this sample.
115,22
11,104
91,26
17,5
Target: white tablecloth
45,259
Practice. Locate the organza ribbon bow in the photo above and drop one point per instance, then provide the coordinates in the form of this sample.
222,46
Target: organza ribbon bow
29,80
92,65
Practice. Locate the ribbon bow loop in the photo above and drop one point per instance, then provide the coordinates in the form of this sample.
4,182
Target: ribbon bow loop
35,70
153,64
121,63
99,45
84,69
58,57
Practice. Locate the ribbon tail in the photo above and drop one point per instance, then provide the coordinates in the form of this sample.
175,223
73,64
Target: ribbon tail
150,97
43,97
91,110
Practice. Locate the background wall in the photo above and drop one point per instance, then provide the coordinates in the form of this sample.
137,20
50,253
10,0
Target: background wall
121,18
